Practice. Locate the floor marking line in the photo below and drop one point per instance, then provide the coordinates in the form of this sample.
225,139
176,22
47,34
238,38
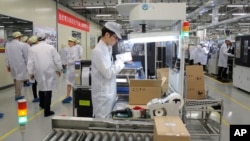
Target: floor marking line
30,119
229,97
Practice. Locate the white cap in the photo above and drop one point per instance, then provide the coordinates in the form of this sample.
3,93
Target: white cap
202,42
115,27
17,34
228,39
41,36
77,41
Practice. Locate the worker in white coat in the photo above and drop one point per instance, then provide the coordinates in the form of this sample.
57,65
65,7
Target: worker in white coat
72,55
223,58
78,45
44,63
104,70
63,54
203,54
16,61
192,50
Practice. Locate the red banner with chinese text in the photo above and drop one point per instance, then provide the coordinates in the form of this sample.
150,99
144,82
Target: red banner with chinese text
72,21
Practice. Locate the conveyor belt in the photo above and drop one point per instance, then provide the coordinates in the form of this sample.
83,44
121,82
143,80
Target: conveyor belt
79,135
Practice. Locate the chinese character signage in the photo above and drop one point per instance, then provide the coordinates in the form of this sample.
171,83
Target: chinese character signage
72,21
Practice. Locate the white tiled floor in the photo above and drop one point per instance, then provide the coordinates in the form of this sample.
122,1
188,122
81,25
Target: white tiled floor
236,111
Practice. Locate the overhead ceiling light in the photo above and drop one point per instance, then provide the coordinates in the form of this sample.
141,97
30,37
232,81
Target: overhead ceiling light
109,20
8,22
242,24
219,14
234,5
22,22
28,30
1,26
103,15
239,14
94,7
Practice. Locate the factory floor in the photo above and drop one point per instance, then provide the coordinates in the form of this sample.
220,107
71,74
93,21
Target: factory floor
236,111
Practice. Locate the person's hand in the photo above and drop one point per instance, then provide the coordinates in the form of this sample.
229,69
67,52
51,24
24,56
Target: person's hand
58,73
32,77
8,69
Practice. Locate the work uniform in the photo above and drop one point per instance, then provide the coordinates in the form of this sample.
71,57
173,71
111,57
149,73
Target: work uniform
80,50
63,54
222,63
192,51
103,75
72,55
16,59
43,63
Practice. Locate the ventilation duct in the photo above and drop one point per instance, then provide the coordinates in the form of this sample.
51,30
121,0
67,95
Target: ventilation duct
206,7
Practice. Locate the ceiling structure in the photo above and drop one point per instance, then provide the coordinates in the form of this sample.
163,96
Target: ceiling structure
15,24
234,13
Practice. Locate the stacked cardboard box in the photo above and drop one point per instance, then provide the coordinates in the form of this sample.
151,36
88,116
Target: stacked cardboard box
170,128
162,74
195,84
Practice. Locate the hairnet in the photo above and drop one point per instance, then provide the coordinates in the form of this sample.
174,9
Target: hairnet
41,36
33,39
17,34
115,27
24,38
72,39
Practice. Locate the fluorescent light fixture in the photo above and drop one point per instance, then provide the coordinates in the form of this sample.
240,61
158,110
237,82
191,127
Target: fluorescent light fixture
239,14
1,26
8,22
28,30
22,22
242,24
103,15
234,5
153,37
94,7
109,20
219,14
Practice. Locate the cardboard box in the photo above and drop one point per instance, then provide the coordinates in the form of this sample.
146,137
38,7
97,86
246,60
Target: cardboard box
194,71
143,91
196,93
170,128
195,82
163,74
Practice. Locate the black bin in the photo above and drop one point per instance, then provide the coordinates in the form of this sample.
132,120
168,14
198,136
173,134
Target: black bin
82,102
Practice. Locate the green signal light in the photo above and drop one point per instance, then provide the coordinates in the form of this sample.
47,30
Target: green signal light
22,120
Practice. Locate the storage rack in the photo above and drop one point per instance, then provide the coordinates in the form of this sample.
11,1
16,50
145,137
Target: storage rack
203,125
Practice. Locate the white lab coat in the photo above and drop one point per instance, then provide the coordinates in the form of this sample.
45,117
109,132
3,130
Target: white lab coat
196,54
72,55
192,51
80,50
43,62
63,54
16,58
223,56
203,54
103,76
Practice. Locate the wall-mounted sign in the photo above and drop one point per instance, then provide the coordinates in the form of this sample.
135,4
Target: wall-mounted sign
72,21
